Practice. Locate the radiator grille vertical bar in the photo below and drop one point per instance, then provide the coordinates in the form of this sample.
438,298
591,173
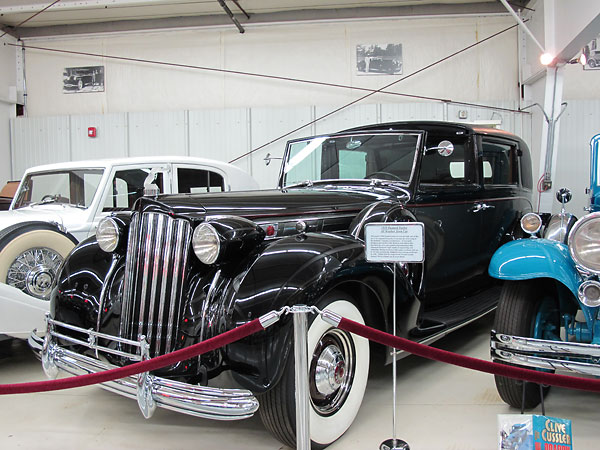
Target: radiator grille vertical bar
181,246
129,274
163,287
154,279
148,223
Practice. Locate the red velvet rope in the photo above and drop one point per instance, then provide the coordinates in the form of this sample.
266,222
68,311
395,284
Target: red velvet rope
351,326
139,367
437,354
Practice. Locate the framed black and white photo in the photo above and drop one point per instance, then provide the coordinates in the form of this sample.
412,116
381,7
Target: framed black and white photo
379,59
83,79
592,54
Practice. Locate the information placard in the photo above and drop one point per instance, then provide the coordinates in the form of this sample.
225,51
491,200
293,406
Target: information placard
395,242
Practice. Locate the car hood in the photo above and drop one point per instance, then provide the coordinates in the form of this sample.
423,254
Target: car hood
70,217
263,205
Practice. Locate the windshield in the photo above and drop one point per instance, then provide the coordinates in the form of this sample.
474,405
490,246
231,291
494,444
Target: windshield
385,156
76,187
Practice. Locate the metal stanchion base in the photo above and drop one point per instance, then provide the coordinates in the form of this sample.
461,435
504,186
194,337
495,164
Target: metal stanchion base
394,444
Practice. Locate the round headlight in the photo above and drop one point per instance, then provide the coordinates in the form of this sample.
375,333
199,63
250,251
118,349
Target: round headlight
206,243
107,234
584,242
531,223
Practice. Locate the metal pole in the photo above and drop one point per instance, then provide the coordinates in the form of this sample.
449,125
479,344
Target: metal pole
394,444
394,362
301,377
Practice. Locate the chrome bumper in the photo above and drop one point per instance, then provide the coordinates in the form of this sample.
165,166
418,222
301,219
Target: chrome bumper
149,390
542,354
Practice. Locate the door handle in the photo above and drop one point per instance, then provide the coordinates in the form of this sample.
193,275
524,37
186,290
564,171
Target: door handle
481,207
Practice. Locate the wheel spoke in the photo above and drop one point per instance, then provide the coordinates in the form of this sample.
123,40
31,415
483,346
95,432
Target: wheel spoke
34,271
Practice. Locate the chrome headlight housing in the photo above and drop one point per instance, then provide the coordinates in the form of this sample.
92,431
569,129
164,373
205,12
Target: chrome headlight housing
531,223
584,243
108,234
206,243
559,226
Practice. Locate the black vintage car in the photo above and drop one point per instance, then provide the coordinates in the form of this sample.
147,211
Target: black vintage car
183,268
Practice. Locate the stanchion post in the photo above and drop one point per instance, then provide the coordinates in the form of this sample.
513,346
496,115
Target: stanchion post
394,444
301,376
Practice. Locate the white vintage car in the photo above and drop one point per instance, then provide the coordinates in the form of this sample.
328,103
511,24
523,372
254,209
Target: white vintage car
57,206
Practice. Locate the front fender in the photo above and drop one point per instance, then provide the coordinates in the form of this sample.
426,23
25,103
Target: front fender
527,259
294,270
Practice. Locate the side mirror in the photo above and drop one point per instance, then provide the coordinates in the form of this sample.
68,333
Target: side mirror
444,148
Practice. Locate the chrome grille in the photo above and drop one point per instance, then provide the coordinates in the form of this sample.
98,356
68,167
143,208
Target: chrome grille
156,262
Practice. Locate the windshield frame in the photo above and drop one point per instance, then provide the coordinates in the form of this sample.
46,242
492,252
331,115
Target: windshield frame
22,189
418,150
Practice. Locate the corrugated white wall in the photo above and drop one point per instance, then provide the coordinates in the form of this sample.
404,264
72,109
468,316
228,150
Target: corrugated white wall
321,51
219,134
578,124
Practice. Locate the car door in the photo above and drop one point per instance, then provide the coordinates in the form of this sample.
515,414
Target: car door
445,201
503,201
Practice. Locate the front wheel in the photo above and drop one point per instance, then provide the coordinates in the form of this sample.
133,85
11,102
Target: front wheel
525,309
338,370
30,256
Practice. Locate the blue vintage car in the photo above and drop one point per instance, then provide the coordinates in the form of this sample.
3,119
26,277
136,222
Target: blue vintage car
549,305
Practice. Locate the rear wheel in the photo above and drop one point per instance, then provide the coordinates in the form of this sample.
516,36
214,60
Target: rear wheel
525,309
338,370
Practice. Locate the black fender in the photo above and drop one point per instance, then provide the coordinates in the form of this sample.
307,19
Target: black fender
83,275
296,270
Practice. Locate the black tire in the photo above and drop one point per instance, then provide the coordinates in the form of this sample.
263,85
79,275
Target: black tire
592,62
331,413
520,302
30,254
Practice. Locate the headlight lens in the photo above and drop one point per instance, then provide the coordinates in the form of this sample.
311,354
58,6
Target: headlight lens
107,234
531,223
584,242
206,243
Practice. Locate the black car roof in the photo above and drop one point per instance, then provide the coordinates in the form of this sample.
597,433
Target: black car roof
435,126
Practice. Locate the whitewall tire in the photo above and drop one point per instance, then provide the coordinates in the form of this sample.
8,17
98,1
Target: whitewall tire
30,255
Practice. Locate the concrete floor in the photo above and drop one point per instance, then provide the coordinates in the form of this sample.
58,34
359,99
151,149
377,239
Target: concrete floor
439,407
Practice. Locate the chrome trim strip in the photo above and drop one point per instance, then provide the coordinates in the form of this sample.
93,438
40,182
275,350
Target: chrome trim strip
199,401
149,230
165,277
546,363
174,284
517,343
153,283
127,280
362,222
207,301
93,333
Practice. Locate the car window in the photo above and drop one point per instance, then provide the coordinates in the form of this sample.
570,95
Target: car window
359,156
75,187
500,165
191,181
448,162
127,186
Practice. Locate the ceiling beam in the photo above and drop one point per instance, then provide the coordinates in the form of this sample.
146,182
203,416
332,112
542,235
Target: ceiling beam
231,16
305,15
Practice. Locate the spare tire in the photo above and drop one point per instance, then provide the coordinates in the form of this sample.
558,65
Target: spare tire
31,254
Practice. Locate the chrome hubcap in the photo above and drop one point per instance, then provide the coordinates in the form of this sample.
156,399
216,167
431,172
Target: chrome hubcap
331,372
34,271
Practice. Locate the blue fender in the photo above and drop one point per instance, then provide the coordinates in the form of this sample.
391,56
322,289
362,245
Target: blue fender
527,259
